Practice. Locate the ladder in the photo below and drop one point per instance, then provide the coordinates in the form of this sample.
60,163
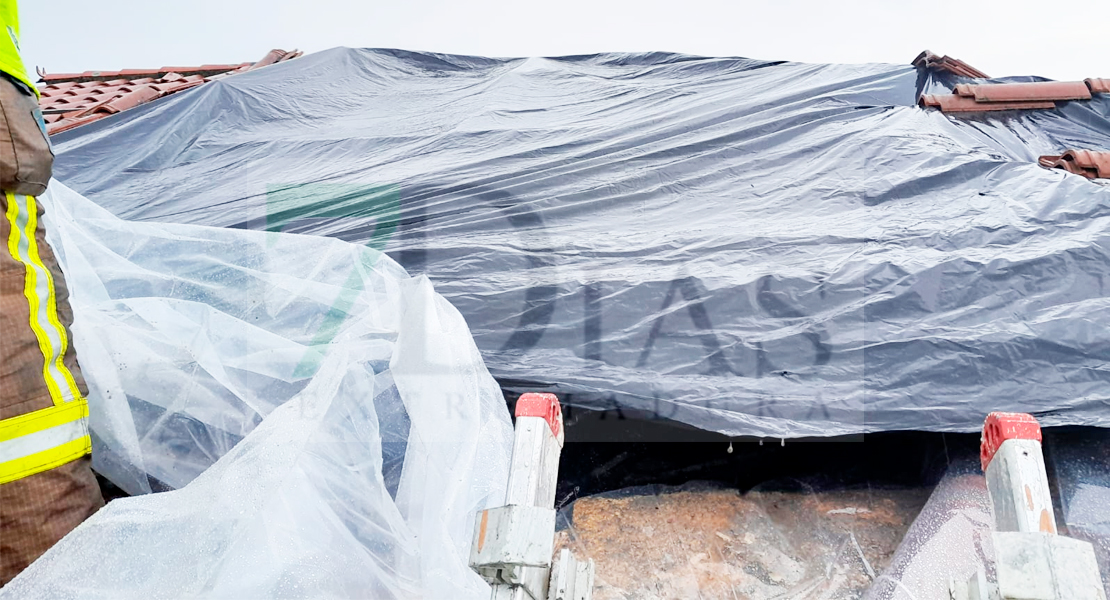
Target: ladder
1032,562
513,545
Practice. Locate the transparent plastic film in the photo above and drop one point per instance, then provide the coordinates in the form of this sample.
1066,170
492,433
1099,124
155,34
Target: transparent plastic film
325,422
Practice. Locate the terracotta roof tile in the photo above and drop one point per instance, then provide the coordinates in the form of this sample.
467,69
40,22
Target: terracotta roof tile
986,97
67,124
1040,91
275,56
126,74
1098,86
953,103
73,99
1092,164
928,60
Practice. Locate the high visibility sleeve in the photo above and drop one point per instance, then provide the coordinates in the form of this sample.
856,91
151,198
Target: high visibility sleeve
10,60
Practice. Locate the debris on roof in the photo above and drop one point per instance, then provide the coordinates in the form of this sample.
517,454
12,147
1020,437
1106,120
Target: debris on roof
73,99
1092,164
988,97
928,60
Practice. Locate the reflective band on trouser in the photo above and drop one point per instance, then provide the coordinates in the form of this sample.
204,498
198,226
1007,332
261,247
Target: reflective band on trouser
43,439
39,289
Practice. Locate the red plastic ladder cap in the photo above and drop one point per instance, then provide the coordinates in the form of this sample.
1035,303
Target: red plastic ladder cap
1002,426
545,406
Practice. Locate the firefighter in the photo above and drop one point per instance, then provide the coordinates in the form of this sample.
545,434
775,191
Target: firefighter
47,486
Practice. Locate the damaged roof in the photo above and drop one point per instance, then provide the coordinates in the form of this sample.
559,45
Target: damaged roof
1027,95
686,236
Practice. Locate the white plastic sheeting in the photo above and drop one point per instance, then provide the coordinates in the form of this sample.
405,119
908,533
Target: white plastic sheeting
327,418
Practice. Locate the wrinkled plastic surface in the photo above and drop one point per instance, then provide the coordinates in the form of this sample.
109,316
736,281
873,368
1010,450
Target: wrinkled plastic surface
329,418
751,247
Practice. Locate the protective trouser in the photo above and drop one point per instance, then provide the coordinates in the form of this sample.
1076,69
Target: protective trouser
46,483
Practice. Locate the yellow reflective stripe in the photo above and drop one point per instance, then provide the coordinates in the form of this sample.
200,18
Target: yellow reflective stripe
40,293
52,303
15,430
37,275
45,460
34,433
39,420
18,246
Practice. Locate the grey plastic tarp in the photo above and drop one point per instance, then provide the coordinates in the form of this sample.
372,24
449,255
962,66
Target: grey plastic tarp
327,418
751,247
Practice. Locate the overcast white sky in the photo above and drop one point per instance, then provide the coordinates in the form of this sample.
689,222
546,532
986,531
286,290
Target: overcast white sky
1019,37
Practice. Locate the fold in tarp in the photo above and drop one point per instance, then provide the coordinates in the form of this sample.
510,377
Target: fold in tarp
751,247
